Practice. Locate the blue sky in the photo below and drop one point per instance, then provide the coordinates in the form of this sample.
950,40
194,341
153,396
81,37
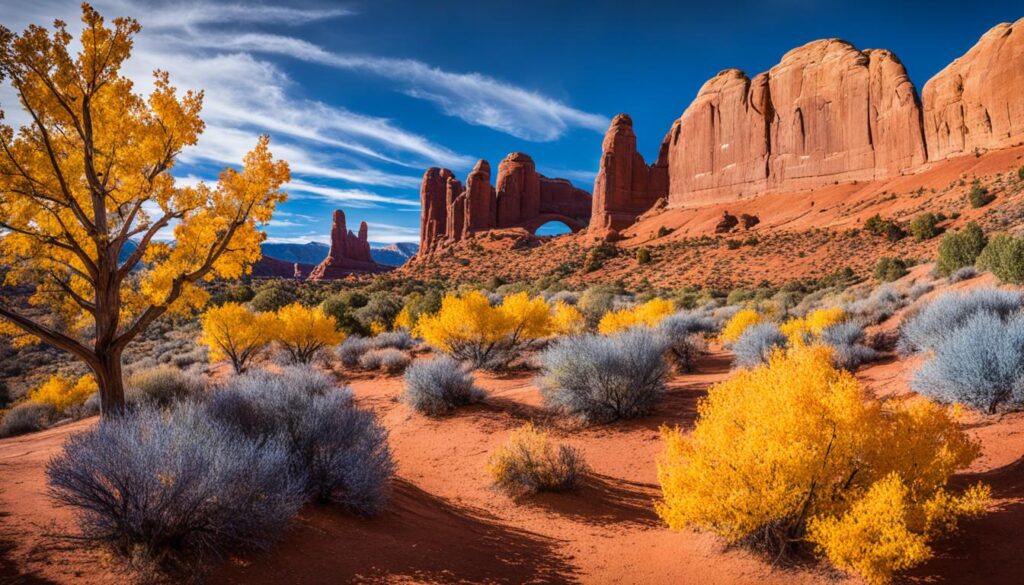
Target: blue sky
360,97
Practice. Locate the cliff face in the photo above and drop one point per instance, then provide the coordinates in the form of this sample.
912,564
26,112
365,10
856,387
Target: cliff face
522,197
977,102
625,186
826,113
349,253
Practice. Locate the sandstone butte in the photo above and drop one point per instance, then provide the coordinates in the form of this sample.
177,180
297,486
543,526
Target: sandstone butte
520,198
826,113
349,253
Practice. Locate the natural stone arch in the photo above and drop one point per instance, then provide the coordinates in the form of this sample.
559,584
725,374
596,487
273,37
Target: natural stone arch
535,223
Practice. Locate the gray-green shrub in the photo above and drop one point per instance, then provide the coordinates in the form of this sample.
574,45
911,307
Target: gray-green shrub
756,345
944,315
683,334
162,385
438,386
601,379
1004,257
339,450
980,363
27,417
174,485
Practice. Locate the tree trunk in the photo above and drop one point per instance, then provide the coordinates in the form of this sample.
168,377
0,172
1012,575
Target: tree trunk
108,376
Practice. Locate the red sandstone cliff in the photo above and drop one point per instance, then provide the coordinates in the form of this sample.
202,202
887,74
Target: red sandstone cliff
977,102
349,254
825,113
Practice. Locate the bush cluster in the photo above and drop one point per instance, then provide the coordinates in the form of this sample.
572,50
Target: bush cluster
944,315
684,334
1004,257
604,378
200,478
797,454
438,386
888,269
757,343
979,195
924,227
647,314
960,249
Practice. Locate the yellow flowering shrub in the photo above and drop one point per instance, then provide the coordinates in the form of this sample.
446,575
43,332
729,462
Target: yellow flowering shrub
800,330
739,323
530,462
897,528
404,320
62,392
469,327
648,314
376,328
304,331
797,445
234,332
567,319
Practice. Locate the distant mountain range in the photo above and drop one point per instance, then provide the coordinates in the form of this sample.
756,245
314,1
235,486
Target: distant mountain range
314,252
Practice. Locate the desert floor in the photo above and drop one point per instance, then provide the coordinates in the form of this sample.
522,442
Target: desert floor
445,524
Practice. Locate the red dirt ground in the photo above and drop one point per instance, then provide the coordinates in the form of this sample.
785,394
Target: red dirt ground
446,525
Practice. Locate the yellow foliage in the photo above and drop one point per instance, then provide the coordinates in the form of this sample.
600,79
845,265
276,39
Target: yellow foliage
86,188
303,331
738,324
567,319
799,331
530,462
234,332
648,314
62,392
469,327
404,320
895,528
376,328
796,442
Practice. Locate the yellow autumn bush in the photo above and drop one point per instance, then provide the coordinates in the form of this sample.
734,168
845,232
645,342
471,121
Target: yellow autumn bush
567,319
800,330
234,332
62,392
304,331
468,327
739,323
647,314
796,452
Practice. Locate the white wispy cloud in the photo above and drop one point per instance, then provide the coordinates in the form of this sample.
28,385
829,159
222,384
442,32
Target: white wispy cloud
351,197
473,97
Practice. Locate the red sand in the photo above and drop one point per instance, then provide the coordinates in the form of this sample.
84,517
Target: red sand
446,525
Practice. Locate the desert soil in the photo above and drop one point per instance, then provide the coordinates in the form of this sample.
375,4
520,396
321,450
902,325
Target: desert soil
445,524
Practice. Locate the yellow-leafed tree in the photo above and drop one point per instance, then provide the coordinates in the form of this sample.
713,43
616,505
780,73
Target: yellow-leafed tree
86,189
236,333
470,328
648,314
62,392
304,331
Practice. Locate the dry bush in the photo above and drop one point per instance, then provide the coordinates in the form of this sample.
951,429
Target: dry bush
529,463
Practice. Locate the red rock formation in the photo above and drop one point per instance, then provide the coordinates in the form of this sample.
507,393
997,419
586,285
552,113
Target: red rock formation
518,189
827,112
480,199
456,212
433,205
625,186
523,198
977,102
349,253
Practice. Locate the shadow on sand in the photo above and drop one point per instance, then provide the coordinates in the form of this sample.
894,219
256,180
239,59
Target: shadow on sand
987,550
421,538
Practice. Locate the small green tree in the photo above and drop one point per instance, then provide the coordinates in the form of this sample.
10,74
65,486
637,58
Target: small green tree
889,269
1004,257
643,255
979,195
960,248
924,227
